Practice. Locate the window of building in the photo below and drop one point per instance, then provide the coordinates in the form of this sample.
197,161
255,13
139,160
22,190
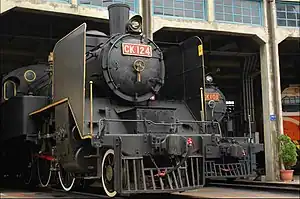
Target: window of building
288,14
239,11
62,1
9,89
194,9
291,104
133,4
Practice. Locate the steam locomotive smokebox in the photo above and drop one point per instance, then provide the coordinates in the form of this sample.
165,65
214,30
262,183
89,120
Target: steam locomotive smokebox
155,114
118,17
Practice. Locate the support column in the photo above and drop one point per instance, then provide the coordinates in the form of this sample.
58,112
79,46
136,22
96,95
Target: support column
210,11
74,2
146,6
270,127
271,94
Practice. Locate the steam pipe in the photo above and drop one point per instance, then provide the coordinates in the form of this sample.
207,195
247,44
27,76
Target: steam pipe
252,89
249,103
244,88
247,89
248,80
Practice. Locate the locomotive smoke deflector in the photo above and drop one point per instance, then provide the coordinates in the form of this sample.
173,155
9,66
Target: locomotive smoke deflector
118,18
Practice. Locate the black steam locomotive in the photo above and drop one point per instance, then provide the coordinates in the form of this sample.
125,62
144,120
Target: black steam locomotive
98,113
227,157
116,109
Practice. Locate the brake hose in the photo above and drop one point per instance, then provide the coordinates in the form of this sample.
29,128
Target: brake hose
162,174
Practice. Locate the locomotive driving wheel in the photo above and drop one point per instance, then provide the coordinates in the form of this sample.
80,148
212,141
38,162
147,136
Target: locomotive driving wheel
28,173
66,179
108,173
44,162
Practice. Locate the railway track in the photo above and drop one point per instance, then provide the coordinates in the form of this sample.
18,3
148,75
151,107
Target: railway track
53,192
82,194
215,189
266,186
92,193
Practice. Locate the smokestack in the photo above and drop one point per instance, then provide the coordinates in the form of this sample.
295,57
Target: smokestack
118,17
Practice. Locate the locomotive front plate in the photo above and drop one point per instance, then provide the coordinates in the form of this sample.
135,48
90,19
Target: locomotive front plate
137,50
212,96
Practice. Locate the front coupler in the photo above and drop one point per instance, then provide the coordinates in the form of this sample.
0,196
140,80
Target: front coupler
139,174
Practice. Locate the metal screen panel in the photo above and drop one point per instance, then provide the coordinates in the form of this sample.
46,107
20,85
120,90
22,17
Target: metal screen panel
185,73
194,74
69,73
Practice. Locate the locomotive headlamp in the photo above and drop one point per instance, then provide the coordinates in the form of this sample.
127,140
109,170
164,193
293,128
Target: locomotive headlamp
209,79
134,25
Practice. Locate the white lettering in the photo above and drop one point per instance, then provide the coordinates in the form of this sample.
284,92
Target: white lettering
126,48
137,49
148,51
142,49
131,49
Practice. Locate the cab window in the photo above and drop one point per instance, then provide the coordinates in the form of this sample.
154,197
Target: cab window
9,89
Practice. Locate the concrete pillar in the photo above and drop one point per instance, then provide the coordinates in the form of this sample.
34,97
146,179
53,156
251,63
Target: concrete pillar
210,11
271,93
272,24
270,126
74,2
146,6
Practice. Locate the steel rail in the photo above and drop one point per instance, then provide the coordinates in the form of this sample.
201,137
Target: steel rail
88,193
272,186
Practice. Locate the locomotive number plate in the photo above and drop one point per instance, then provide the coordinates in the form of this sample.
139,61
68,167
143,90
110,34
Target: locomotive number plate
137,50
212,96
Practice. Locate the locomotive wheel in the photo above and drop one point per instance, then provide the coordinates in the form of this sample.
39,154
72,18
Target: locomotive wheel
44,166
108,173
29,171
44,171
66,179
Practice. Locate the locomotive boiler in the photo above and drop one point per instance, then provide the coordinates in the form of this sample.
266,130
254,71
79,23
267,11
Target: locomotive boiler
226,157
121,112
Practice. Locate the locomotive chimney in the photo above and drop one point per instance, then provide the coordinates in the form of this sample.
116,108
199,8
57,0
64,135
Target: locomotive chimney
118,17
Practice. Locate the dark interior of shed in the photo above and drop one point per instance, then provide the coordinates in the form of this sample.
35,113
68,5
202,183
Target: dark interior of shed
233,61
28,37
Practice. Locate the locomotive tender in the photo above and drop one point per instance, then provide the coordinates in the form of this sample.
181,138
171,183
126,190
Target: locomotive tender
113,115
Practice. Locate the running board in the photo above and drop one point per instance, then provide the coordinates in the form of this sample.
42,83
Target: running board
49,107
